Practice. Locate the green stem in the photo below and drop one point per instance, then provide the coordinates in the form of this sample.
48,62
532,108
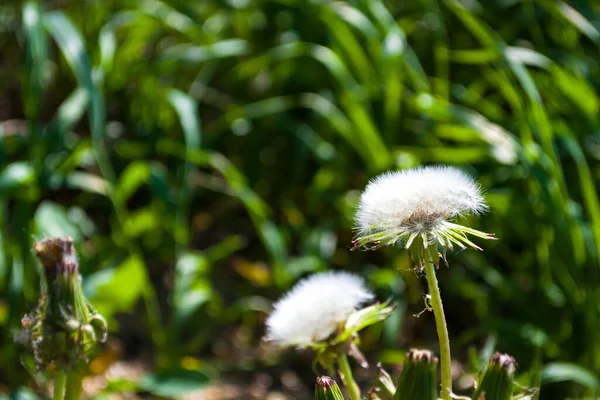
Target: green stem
346,375
442,329
59,385
74,386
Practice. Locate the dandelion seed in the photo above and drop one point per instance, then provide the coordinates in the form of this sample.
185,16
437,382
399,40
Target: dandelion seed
316,308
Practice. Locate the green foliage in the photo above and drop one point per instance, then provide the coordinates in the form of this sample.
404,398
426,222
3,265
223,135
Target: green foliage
173,382
225,144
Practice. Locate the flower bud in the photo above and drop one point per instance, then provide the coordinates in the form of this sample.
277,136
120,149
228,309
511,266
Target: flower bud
497,382
64,327
419,376
327,389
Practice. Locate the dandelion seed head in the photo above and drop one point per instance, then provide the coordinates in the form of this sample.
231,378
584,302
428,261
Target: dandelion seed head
416,201
315,308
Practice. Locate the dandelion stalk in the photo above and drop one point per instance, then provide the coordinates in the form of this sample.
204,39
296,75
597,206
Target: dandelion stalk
442,330
74,386
348,378
59,385
415,208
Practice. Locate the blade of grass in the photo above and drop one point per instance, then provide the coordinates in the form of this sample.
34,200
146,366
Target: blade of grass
72,45
192,54
107,38
571,15
389,26
352,49
36,76
258,210
187,110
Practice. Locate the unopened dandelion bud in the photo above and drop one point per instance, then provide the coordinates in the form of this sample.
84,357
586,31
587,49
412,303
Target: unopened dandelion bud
419,376
64,327
497,381
327,389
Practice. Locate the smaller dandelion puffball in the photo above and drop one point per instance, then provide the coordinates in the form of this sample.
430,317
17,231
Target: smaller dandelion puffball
314,309
415,202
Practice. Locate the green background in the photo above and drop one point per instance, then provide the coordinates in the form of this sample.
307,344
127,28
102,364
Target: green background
205,155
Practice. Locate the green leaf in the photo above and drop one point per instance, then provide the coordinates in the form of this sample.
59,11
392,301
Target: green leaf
561,372
52,220
570,14
71,42
140,222
70,112
117,289
107,39
190,53
37,58
187,110
16,175
132,177
88,183
21,394
174,382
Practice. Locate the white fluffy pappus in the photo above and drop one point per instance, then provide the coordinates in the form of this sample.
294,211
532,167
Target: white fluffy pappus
315,308
415,202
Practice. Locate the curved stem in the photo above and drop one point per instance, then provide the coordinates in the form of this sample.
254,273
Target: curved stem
346,375
442,330
59,385
74,382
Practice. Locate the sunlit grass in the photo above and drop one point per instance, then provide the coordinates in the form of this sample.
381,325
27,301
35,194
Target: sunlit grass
206,156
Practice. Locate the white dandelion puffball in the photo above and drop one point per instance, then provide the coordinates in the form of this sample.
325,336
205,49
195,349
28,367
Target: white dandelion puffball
314,309
415,202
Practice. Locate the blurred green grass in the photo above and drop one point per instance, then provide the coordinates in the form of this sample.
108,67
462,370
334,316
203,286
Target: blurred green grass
206,155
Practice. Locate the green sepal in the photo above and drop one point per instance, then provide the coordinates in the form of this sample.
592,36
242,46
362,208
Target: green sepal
496,383
346,337
419,376
327,389
361,319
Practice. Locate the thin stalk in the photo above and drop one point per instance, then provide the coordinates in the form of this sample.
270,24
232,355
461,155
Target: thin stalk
59,385
74,386
346,375
442,330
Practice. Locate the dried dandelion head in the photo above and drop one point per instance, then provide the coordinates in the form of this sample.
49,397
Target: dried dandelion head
63,328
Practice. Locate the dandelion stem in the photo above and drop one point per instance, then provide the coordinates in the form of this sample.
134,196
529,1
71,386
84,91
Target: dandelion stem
74,383
442,329
59,385
346,375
